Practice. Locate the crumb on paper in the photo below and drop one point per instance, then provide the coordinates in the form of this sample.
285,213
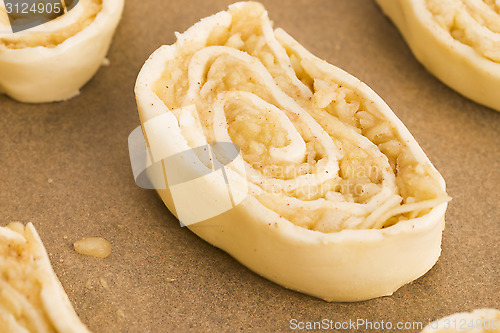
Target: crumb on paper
104,284
88,284
93,246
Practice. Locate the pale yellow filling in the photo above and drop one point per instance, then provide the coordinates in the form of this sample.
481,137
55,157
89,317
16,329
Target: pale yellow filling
52,39
475,23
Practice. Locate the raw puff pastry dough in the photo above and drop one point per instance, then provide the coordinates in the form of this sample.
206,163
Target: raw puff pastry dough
456,40
51,62
343,204
31,297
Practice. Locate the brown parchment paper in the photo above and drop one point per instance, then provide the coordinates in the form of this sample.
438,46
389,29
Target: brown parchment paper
65,167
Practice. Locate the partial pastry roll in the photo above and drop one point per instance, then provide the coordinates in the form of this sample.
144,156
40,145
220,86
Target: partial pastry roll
330,194
477,321
52,61
31,297
456,40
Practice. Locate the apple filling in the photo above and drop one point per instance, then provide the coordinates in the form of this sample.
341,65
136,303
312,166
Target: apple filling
316,151
475,23
65,27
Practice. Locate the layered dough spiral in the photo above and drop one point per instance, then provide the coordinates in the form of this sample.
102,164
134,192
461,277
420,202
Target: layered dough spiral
456,40
342,203
31,297
52,61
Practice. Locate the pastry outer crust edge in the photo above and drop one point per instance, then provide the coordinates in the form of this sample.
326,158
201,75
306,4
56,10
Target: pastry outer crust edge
457,65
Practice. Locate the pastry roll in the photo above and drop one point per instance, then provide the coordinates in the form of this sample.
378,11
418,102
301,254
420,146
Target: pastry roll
330,194
31,297
477,321
52,61
456,40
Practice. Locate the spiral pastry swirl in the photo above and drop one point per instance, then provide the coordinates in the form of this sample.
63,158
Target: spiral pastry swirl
53,60
456,40
316,152
321,152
